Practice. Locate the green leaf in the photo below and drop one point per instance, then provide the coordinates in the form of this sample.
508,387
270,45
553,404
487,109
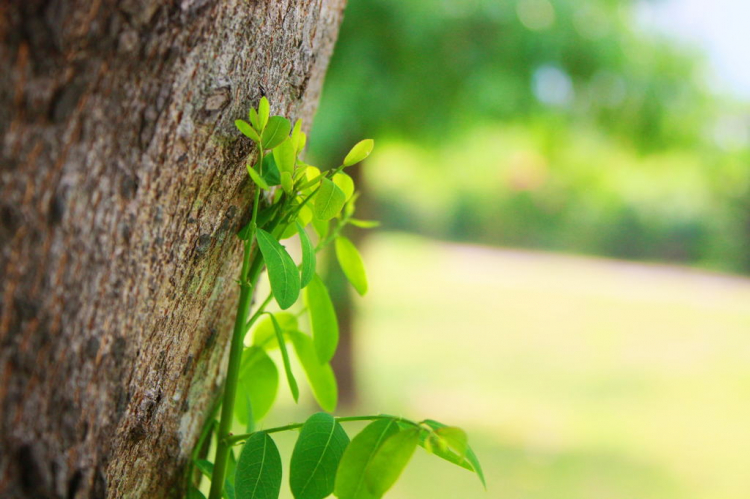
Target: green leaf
364,224
351,263
345,183
264,333
206,467
359,152
308,256
285,357
325,327
264,110
297,136
194,493
258,473
320,375
357,458
253,115
270,171
282,272
316,457
286,182
321,227
259,181
390,460
276,131
247,130
470,462
285,156
329,200
455,438
258,383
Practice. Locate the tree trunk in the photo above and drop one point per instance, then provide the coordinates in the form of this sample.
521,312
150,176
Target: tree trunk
123,185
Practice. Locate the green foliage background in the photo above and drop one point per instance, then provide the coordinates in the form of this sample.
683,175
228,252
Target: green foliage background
625,158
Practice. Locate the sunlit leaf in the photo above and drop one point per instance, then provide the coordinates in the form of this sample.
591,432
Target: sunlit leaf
258,474
297,136
253,115
329,200
345,183
321,227
455,438
351,263
470,462
320,375
285,156
286,182
285,357
308,256
325,327
264,333
350,478
316,457
264,110
390,460
259,181
276,131
359,152
247,130
282,272
364,224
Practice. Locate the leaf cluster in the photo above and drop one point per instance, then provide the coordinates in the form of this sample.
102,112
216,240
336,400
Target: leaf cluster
293,198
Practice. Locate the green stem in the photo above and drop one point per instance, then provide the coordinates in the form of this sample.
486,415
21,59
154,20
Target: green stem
251,265
234,439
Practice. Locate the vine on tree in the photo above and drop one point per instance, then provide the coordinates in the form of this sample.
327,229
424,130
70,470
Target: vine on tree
291,196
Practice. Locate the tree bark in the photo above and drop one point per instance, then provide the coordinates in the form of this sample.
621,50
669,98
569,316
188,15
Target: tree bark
123,185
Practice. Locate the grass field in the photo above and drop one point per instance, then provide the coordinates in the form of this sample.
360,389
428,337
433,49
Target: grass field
576,378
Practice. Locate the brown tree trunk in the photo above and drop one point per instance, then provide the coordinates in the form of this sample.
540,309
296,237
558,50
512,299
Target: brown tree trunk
122,187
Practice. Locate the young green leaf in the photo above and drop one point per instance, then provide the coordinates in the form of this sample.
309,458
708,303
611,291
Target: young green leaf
297,136
253,115
276,131
259,181
257,385
264,333
308,256
345,183
316,457
364,224
325,327
285,357
305,215
258,474
247,130
470,462
455,438
351,263
320,375
282,272
264,110
390,460
285,156
357,458
359,152
329,200
286,182
270,171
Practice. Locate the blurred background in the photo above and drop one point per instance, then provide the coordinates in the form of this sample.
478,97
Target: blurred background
564,193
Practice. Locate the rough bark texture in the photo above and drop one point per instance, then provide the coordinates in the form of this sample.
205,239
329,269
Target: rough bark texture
123,185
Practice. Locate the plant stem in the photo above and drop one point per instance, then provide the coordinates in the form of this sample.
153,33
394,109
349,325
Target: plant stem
234,439
248,275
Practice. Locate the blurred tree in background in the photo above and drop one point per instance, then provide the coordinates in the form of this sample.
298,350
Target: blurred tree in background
553,124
